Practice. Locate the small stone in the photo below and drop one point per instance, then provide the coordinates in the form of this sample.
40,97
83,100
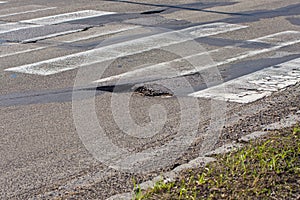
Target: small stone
224,149
293,108
252,136
167,180
268,78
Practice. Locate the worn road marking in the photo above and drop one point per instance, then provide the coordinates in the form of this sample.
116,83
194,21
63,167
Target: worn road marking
14,26
278,38
73,38
99,34
26,12
65,17
49,20
51,35
23,51
132,47
169,69
257,85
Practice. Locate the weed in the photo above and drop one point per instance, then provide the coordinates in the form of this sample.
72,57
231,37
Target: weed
263,169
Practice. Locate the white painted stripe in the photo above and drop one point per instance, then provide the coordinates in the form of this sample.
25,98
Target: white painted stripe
51,35
3,2
98,34
55,19
257,52
168,70
114,51
29,11
278,38
119,30
255,86
153,72
20,52
9,27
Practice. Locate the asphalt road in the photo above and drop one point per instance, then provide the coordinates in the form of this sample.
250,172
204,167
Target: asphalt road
94,94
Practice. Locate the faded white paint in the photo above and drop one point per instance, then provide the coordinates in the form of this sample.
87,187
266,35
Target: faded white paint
73,38
257,85
51,35
65,17
169,69
114,30
28,11
114,51
14,26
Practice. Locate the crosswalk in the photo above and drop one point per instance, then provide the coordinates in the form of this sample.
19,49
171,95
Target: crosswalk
69,62
25,10
8,31
96,32
277,41
257,85
10,27
66,17
244,89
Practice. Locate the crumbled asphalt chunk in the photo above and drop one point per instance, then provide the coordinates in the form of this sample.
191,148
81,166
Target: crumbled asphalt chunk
153,90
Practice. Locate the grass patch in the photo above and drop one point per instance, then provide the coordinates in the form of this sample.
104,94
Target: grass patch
268,168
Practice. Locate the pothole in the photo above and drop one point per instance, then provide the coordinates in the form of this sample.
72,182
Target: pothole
153,90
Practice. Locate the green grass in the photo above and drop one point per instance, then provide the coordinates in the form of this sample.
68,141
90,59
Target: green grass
268,168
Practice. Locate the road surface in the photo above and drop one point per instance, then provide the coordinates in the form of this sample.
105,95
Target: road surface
94,94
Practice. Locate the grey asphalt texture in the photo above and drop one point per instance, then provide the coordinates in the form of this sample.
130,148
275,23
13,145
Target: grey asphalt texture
41,152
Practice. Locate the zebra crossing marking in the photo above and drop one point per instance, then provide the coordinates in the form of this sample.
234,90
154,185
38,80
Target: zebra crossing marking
26,12
49,20
255,86
51,35
164,70
100,32
14,26
73,61
65,17
107,32
23,51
